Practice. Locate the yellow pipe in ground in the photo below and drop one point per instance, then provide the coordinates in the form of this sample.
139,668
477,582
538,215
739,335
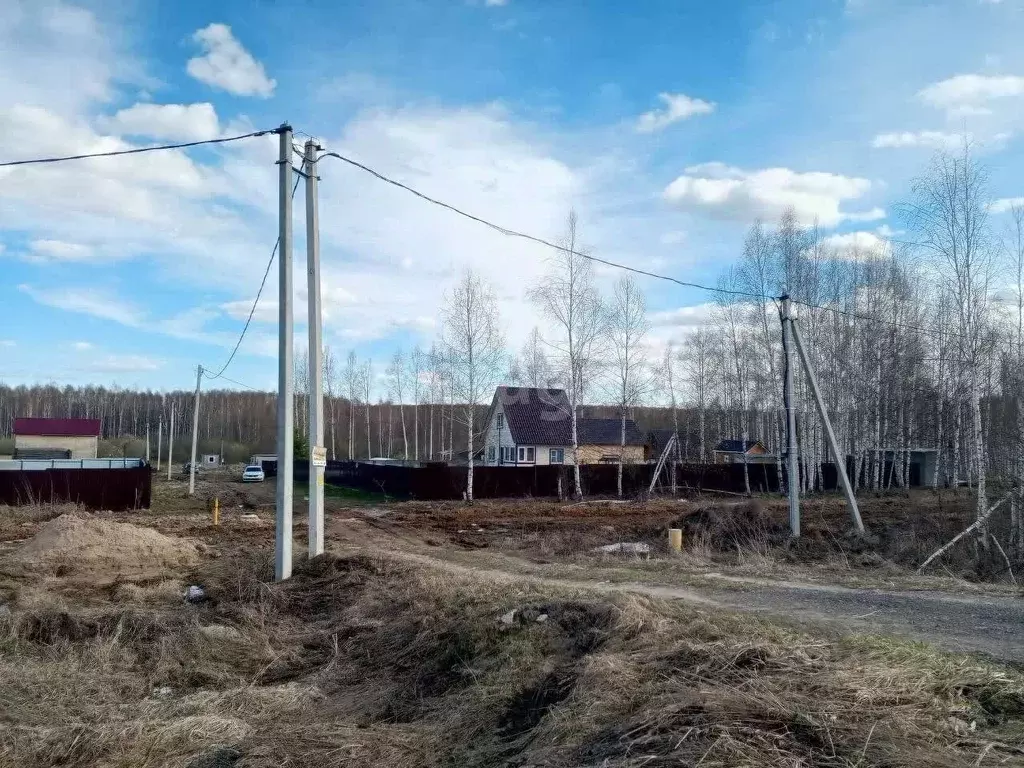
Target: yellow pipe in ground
675,539
216,511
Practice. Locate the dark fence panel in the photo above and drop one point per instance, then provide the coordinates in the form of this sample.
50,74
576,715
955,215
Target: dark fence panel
111,489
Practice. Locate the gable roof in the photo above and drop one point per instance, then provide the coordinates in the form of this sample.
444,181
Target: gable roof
57,427
607,432
736,446
534,416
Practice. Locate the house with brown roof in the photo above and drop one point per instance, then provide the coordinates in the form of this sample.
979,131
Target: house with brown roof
56,438
530,426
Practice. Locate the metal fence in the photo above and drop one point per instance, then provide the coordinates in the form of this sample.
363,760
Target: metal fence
116,489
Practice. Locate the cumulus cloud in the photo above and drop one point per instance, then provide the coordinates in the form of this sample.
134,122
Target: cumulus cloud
687,318
852,246
678,106
923,139
82,346
225,64
734,193
971,92
173,122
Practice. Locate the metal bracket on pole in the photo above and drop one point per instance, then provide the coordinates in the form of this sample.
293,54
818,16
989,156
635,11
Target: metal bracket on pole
318,454
793,470
285,379
840,459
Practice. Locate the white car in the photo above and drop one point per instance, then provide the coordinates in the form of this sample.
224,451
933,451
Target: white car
253,474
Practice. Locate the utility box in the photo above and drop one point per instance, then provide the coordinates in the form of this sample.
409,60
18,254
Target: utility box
210,460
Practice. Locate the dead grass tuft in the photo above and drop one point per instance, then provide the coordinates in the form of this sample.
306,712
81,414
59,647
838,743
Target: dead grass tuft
362,662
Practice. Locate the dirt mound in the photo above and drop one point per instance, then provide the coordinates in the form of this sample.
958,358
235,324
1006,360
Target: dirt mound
724,528
102,551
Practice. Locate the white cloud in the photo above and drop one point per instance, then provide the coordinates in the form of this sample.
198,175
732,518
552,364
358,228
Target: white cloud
8,343
734,193
686,318
675,237
62,251
227,65
112,363
678,106
851,246
968,94
926,139
1004,204
82,346
495,3
173,122
86,301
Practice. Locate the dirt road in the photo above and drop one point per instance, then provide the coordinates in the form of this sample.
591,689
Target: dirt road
989,625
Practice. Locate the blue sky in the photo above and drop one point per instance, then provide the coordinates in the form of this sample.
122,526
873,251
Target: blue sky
669,128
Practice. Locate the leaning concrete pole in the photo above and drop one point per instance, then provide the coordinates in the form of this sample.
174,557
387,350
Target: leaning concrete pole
851,500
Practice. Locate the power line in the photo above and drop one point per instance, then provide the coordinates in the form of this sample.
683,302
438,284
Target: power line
136,151
513,233
869,319
256,301
240,384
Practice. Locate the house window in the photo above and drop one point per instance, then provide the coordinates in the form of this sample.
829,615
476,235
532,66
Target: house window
490,453
556,455
501,420
507,454
526,454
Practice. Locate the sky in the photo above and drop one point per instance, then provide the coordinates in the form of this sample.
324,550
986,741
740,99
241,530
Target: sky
669,129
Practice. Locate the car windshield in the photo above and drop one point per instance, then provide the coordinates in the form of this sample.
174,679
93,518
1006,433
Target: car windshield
254,469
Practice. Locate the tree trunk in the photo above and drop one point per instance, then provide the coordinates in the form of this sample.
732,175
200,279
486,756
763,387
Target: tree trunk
469,447
622,450
979,455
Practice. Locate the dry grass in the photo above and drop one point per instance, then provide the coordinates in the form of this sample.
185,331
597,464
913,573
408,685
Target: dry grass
364,662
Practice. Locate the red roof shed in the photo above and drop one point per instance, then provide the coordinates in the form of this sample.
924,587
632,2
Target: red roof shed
58,427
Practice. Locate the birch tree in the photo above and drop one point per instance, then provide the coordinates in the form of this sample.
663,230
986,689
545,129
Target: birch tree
569,299
949,217
474,348
416,390
396,376
628,327
351,377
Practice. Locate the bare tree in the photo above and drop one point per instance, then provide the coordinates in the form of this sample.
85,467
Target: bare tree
1014,247
474,349
697,356
628,326
949,217
416,386
396,375
568,297
351,377
365,386
532,362
331,374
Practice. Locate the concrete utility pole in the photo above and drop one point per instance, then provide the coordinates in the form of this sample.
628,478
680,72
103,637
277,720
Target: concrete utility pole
317,452
147,442
285,378
195,435
792,471
840,459
170,442
159,440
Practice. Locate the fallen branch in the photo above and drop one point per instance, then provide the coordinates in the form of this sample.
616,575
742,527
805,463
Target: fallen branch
600,501
972,527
